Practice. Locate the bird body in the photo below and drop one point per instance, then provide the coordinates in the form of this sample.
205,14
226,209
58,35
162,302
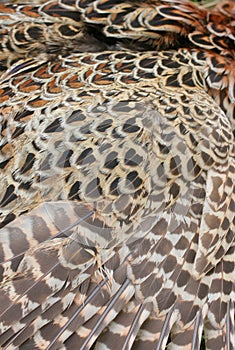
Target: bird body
117,176
48,28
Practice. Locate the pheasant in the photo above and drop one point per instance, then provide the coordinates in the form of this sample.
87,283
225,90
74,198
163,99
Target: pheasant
117,176
65,26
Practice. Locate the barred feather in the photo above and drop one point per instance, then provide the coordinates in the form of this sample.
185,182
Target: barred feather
117,176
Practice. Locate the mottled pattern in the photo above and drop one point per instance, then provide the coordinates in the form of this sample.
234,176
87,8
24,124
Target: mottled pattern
50,28
117,177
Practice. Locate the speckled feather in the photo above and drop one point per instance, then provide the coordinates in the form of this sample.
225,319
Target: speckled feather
117,209
66,26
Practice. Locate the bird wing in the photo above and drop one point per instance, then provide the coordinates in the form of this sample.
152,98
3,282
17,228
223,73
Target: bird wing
109,167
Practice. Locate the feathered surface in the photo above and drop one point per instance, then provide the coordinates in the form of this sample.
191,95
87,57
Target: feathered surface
117,175
48,29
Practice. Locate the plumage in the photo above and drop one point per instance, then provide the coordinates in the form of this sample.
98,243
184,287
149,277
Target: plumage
117,176
57,27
